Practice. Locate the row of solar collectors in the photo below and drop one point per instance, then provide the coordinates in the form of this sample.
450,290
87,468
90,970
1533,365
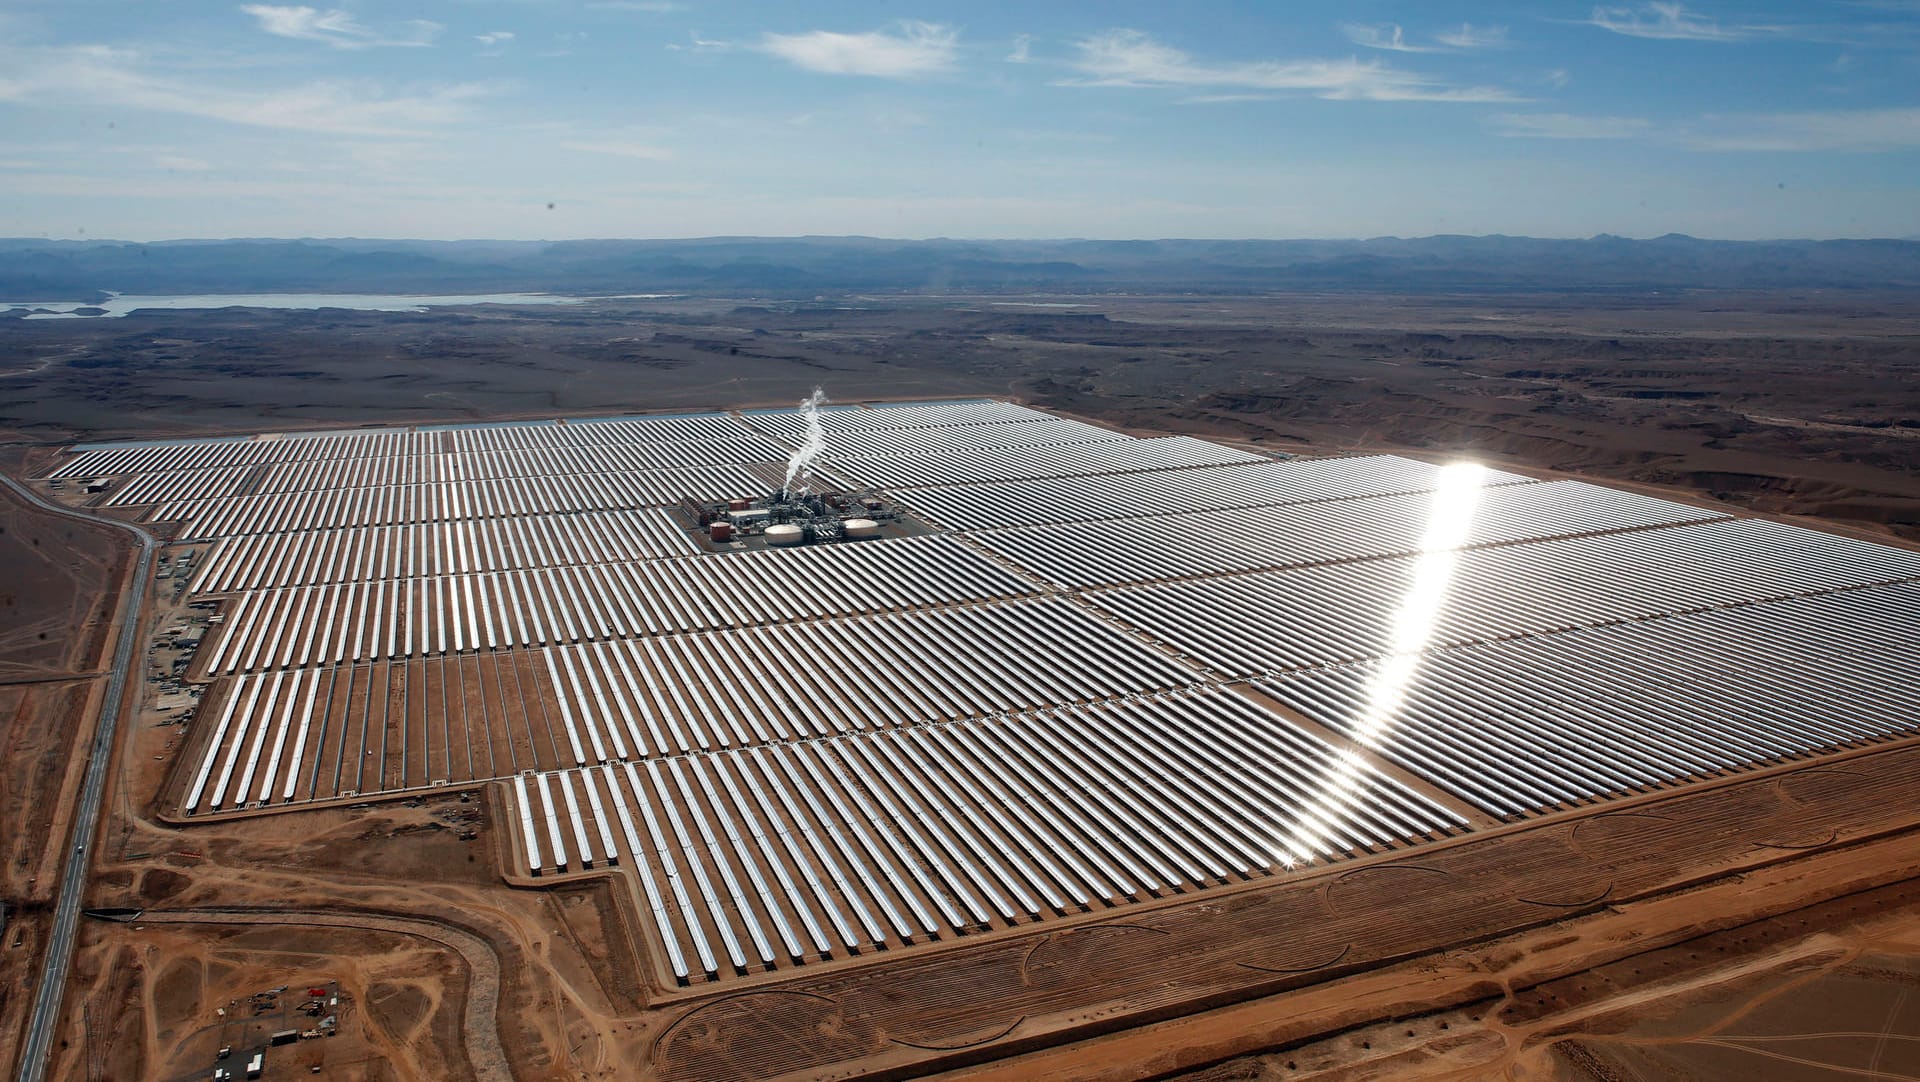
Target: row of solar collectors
167,457
332,623
462,466
989,462
436,468
781,855
687,431
705,689
366,553
407,724
1525,724
1267,621
691,429
603,432
1224,542
1032,461
1206,488
151,488
185,471
792,424
320,734
787,682
894,442
394,504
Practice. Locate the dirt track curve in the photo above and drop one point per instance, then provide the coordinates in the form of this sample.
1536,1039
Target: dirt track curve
479,1027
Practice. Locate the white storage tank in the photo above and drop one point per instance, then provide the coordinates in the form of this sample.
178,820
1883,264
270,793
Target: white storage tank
859,529
784,533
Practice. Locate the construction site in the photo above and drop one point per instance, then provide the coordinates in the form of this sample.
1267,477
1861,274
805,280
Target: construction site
893,739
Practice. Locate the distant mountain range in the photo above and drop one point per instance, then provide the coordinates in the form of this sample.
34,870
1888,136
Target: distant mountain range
68,270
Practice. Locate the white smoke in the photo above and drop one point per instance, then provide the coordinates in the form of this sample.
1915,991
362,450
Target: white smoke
800,465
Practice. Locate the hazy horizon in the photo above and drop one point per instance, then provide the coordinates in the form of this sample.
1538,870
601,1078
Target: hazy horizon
954,239
575,119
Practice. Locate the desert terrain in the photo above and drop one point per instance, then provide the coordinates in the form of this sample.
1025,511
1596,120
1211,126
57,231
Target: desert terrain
65,585
1680,931
1796,403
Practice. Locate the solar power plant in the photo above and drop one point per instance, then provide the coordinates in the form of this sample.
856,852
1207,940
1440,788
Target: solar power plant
1087,671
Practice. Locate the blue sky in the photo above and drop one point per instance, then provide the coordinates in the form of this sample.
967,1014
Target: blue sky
529,119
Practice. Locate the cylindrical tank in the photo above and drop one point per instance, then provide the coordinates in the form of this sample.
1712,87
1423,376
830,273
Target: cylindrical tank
739,505
859,529
784,533
721,531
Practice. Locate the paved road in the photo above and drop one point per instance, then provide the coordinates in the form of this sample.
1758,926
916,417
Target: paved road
73,881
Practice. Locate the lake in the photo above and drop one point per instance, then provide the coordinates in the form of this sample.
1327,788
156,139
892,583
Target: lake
120,305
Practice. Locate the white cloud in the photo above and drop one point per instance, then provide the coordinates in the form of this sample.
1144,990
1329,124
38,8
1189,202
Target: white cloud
1130,58
1666,22
1558,78
698,44
1022,49
1567,126
621,148
1855,130
103,76
1392,38
918,48
1387,36
180,163
1469,36
337,28
1224,99
1861,131
494,37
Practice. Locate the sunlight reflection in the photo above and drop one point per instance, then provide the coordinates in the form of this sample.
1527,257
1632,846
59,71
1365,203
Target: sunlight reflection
1450,519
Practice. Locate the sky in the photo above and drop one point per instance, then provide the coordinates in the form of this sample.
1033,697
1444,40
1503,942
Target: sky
557,119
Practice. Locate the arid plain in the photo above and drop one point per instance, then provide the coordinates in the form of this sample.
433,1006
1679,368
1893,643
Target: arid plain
1654,935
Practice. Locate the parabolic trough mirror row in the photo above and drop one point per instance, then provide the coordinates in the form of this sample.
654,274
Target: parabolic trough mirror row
1023,667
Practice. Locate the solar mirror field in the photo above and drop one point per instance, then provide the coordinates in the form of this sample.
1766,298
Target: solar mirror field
825,691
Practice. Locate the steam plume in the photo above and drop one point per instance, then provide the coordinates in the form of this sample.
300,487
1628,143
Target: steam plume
800,465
